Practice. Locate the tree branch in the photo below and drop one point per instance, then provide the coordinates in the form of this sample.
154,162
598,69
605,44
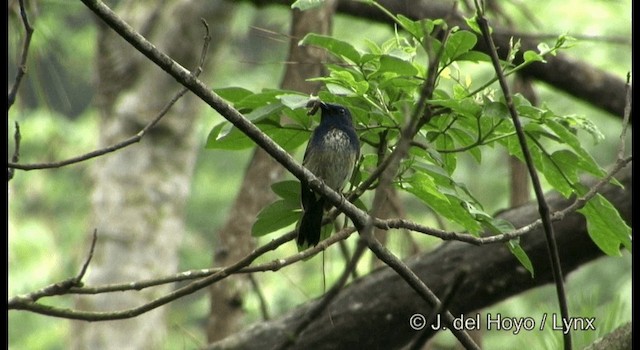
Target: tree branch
543,208
22,68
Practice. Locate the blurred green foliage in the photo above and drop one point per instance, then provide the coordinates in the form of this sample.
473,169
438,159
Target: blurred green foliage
49,211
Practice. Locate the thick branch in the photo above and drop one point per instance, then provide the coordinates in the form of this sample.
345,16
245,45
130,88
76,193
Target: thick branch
374,311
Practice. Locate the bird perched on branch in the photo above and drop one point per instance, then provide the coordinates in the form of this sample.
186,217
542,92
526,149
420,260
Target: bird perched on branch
331,155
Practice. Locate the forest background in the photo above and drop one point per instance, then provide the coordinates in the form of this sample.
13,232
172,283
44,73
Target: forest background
50,211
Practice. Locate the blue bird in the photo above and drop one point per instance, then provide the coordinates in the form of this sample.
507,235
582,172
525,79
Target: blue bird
331,155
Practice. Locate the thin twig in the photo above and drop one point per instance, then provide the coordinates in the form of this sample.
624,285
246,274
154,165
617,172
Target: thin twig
22,67
59,288
261,300
16,151
543,208
85,266
326,300
625,117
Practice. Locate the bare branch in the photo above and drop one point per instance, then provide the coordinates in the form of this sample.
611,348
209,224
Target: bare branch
16,151
59,288
22,68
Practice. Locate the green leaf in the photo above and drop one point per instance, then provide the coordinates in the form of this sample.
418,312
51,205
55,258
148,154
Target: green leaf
473,24
497,110
233,94
232,140
294,101
474,56
288,190
606,228
449,160
275,216
337,47
465,139
340,90
532,56
396,65
556,175
459,43
426,187
450,207
304,5
572,140
498,226
288,138
415,28
261,99
521,255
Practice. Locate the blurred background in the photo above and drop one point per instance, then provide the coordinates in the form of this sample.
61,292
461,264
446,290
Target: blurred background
50,215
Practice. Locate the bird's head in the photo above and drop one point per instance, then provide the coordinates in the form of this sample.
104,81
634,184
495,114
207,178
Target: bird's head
334,112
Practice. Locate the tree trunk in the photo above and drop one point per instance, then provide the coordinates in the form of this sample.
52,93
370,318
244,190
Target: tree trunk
140,191
232,240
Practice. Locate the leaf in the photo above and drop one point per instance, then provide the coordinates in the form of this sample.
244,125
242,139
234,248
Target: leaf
449,160
288,138
605,226
294,101
261,99
288,190
521,255
465,139
396,65
275,216
473,24
413,27
449,206
304,5
337,47
467,106
459,43
233,94
497,110
474,56
557,176
572,140
426,187
532,56
340,90
232,140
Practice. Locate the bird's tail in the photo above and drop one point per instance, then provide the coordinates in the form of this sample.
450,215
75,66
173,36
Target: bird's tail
311,223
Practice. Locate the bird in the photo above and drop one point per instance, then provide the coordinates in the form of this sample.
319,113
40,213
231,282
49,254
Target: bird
331,155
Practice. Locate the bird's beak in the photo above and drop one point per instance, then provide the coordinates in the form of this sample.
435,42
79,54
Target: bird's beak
315,105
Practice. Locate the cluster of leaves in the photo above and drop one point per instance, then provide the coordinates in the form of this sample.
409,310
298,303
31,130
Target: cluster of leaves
381,86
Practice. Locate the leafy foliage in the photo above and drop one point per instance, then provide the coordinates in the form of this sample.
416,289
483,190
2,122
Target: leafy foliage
382,85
